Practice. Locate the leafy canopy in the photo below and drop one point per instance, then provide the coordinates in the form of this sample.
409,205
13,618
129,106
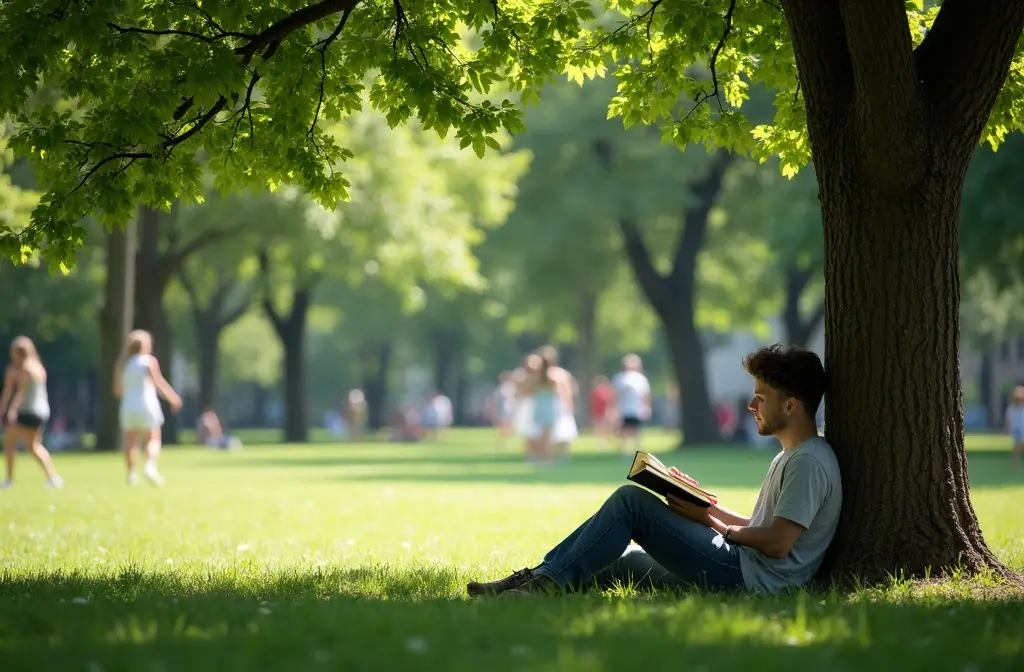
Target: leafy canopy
153,91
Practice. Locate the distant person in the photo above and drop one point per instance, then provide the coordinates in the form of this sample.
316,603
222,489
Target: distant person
408,426
137,382
501,406
565,430
26,415
210,432
1015,424
355,413
633,402
602,410
523,377
681,545
437,413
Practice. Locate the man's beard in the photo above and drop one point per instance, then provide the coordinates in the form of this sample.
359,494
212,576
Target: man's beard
765,428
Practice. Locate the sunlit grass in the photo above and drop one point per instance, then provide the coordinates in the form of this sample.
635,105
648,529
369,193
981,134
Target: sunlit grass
356,557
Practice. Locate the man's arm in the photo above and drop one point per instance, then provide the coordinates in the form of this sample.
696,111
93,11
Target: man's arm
804,487
729,517
775,540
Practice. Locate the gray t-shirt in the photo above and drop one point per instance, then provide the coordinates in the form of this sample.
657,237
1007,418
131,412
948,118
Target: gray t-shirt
803,486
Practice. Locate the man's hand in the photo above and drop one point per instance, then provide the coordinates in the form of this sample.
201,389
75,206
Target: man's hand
684,477
698,514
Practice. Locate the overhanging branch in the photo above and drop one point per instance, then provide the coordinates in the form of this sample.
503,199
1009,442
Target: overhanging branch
964,59
822,58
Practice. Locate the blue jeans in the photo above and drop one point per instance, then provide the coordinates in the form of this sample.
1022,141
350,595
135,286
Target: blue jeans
674,552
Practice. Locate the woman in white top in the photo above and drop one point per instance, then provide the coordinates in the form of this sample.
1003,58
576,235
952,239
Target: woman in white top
28,412
137,381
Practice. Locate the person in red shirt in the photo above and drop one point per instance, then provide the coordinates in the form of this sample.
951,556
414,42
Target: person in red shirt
602,411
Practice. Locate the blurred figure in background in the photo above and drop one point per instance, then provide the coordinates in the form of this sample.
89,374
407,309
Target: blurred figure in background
501,406
26,415
1015,424
355,413
525,427
633,401
602,409
137,382
210,432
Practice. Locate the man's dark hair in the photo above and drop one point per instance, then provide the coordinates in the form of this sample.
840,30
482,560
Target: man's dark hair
795,371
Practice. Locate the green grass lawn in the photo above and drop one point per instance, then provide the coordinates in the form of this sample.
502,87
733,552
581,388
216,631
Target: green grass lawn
355,557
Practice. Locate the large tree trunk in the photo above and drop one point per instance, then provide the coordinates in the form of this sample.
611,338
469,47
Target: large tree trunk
687,354
296,425
673,298
291,330
208,343
892,131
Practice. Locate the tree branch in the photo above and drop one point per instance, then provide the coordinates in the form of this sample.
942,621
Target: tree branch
965,57
889,98
823,61
236,313
198,124
651,282
705,96
323,46
276,320
172,262
273,35
695,217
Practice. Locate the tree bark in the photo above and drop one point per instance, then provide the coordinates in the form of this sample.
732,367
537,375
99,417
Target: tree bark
208,342
800,329
376,367
892,132
673,298
291,330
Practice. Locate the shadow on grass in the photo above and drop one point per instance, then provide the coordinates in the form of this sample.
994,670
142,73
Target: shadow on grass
384,618
718,467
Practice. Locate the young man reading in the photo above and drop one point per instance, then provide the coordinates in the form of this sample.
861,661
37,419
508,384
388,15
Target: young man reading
781,545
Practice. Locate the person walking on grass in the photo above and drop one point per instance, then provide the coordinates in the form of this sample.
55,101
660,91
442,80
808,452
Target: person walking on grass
26,415
781,545
1015,424
137,381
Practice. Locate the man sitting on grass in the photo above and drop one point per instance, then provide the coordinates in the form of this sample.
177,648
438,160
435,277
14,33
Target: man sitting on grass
781,545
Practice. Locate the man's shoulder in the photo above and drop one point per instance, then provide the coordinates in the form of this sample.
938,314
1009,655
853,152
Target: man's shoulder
818,450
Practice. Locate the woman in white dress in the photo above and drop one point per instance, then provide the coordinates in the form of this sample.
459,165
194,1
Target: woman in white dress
525,426
137,381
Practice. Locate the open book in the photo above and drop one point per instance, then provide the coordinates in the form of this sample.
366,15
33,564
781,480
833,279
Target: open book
648,471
